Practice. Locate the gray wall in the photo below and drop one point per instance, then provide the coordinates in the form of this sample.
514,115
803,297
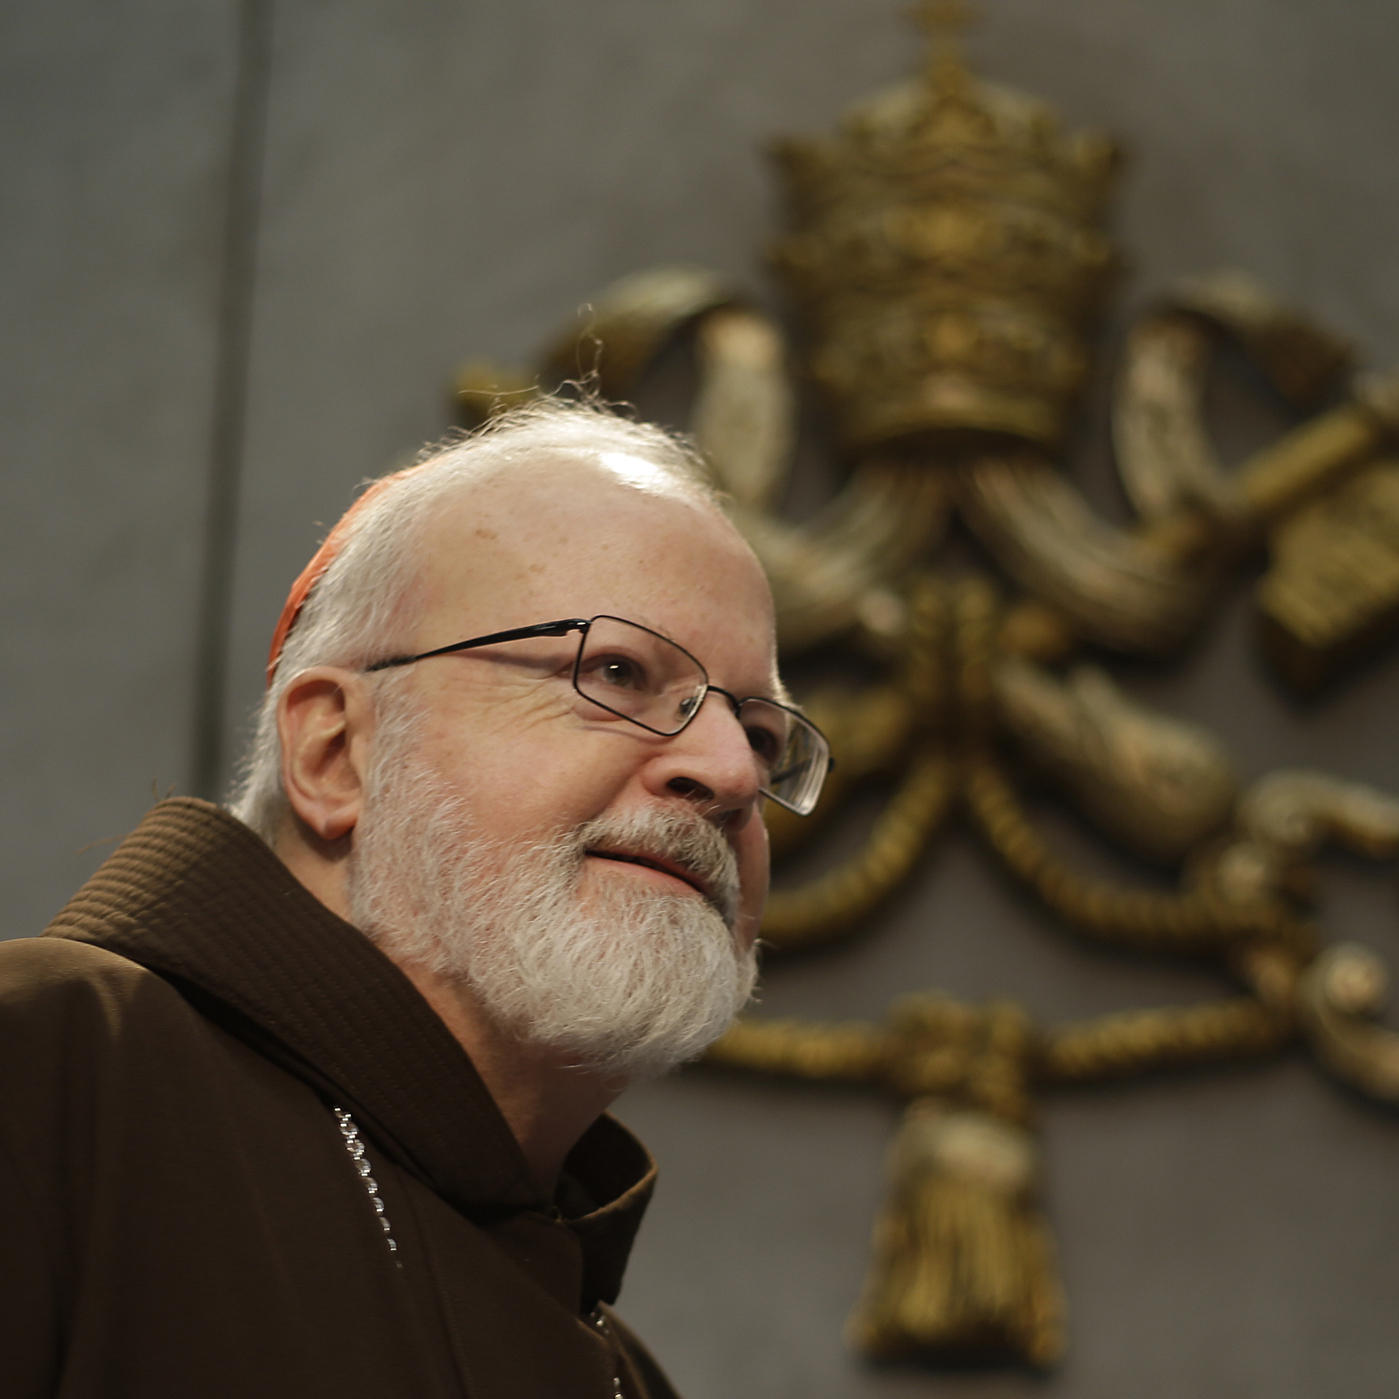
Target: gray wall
244,247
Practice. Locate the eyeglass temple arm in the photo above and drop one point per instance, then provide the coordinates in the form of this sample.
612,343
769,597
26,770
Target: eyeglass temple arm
559,628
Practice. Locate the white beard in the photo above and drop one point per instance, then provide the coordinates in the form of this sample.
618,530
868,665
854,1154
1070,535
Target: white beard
629,986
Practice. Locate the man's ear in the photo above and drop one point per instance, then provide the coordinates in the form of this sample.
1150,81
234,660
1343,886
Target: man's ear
325,720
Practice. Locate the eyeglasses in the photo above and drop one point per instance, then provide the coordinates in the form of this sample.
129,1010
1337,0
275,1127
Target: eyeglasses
647,679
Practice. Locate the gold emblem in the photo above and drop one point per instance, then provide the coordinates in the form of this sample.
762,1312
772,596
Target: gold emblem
947,252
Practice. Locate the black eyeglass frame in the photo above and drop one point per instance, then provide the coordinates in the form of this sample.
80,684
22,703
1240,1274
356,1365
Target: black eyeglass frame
564,625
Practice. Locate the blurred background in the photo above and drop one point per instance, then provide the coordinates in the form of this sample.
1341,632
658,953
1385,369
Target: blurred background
247,243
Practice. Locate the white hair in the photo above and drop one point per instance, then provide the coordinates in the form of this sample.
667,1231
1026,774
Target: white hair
356,612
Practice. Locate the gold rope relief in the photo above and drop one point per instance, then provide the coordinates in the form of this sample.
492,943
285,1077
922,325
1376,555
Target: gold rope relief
947,253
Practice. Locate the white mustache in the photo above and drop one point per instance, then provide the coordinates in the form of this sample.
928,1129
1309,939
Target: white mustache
682,839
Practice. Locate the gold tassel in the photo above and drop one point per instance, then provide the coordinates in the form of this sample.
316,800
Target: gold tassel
963,1258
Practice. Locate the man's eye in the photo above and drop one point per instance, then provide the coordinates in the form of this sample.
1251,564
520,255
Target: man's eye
619,673
765,742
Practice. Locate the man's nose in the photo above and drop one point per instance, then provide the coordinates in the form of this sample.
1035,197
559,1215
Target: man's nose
710,761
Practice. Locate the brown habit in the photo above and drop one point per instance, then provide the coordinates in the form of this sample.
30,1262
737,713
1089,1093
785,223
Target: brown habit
185,1219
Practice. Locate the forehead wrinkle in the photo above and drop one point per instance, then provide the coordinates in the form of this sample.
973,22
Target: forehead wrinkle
537,503
531,531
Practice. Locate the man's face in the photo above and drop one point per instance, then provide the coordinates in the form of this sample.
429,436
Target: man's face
522,761
504,725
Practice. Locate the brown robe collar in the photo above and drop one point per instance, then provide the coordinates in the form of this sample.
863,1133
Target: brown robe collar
193,895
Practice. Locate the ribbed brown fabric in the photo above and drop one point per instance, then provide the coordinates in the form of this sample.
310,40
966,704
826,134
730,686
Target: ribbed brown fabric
192,1224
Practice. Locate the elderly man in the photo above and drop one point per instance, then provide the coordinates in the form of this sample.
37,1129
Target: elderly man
310,1102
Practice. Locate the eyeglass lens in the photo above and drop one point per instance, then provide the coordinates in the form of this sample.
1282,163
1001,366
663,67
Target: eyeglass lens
649,679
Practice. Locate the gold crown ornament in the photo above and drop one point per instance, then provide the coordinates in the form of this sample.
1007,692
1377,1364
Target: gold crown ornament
946,250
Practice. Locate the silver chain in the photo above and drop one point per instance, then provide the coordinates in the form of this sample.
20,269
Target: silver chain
605,1332
350,1132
